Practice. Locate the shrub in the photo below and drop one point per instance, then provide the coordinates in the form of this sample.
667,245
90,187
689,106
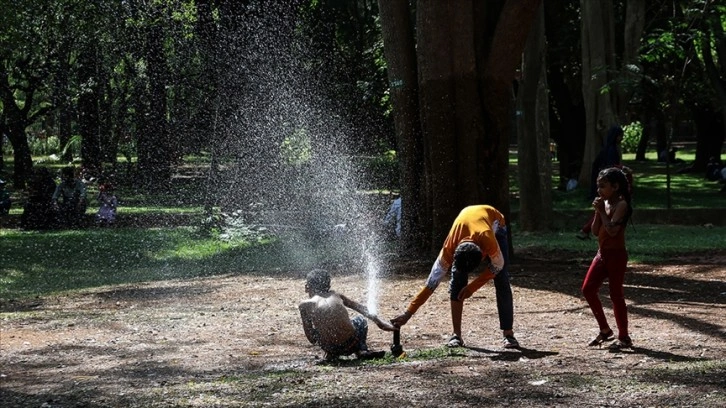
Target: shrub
45,146
631,137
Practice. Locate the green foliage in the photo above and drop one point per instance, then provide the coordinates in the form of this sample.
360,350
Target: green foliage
631,136
382,171
45,146
295,148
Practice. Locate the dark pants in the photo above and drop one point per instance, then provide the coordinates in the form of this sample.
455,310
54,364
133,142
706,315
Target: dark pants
505,304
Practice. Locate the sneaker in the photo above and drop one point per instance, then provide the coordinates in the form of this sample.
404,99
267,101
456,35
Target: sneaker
510,342
455,341
582,235
621,344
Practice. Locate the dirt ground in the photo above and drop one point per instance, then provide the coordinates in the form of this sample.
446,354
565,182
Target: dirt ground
236,340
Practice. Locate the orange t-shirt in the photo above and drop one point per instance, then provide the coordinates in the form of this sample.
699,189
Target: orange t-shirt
477,224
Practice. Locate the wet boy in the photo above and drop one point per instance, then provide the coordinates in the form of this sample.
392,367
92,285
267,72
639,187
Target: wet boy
326,322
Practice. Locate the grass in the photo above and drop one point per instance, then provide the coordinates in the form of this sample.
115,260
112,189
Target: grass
51,262
43,263
647,243
687,190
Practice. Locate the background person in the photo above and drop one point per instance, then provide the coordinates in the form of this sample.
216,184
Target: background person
38,212
69,198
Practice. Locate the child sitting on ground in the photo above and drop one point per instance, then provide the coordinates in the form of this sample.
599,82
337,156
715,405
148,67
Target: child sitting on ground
326,322
106,215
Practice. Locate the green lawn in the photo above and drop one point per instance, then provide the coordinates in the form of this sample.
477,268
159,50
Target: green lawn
42,263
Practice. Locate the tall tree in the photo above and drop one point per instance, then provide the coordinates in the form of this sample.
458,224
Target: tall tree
533,155
467,55
400,53
598,67
25,66
154,151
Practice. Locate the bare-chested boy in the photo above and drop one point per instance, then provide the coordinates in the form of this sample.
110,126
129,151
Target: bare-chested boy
326,322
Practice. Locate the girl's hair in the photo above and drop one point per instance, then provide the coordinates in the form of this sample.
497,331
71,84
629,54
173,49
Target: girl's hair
615,175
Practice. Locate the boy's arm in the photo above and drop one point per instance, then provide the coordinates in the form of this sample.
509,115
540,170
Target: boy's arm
364,311
305,313
468,290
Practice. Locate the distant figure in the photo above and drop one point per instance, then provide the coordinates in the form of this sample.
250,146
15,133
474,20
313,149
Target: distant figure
326,322
392,220
69,198
5,200
106,215
613,208
669,157
38,210
714,169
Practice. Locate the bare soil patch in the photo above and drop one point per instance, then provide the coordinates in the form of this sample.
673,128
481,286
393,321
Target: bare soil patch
236,340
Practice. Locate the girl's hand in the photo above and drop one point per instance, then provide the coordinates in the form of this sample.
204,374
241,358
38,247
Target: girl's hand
599,204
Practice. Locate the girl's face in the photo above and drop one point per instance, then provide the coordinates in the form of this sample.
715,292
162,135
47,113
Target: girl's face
605,189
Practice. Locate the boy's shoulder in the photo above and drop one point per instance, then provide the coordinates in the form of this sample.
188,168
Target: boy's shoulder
323,297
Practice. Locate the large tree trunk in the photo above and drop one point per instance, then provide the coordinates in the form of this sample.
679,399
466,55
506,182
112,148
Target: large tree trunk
154,152
630,71
450,110
598,52
16,121
468,52
508,40
88,114
710,141
534,161
63,100
400,53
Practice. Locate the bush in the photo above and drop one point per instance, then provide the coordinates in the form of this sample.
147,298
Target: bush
631,137
45,146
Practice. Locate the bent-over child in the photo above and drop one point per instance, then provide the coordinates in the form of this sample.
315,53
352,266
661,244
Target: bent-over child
326,321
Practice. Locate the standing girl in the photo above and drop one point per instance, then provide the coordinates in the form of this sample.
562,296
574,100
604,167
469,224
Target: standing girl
613,208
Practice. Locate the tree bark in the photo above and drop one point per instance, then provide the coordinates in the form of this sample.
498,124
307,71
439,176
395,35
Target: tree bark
400,53
17,120
154,152
468,52
88,108
598,51
534,161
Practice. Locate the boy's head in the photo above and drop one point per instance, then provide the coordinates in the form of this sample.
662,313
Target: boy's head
317,281
467,257
67,174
